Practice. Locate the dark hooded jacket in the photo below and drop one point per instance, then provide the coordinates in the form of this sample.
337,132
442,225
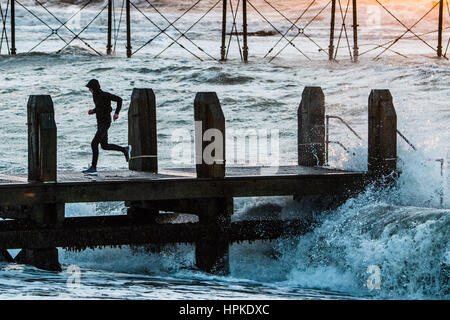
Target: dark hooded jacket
102,102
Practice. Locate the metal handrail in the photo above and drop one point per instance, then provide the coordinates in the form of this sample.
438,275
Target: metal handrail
345,123
440,160
327,135
341,145
406,140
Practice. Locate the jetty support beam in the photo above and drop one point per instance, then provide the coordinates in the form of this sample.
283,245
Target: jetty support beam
42,169
382,154
212,250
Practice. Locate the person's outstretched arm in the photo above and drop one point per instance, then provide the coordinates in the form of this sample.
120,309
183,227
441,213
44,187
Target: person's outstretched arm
119,105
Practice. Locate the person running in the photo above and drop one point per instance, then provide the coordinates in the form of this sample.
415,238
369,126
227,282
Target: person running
102,110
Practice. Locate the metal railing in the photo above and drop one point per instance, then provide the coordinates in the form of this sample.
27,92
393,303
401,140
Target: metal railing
442,163
327,135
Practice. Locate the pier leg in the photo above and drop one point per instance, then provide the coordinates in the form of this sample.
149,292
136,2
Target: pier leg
355,32
311,128
244,30
128,13
142,136
382,157
224,31
212,248
108,45
332,26
42,168
13,27
440,27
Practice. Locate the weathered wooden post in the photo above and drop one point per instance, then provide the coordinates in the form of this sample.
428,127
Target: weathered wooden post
212,248
13,28
142,136
332,26
224,30
355,32
42,169
41,139
209,124
311,128
142,132
128,13
244,30
382,154
440,27
109,45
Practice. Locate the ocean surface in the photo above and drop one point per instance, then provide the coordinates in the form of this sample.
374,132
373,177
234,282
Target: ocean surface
403,232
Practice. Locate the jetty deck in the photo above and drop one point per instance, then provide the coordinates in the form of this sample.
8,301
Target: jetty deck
179,183
33,205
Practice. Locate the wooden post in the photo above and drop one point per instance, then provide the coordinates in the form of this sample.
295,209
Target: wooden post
108,45
224,31
142,136
244,30
42,169
47,147
142,132
311,128
13,28
41,105
212,248
355,32
209,125
128,13
332,26
382,157
440,28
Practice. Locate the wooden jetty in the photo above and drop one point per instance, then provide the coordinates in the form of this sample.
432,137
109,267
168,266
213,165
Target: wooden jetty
33,205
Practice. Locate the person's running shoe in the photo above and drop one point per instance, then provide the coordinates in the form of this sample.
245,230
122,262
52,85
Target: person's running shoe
91,171
128,153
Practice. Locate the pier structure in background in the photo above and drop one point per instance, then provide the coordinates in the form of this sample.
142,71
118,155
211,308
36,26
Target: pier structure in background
177,31
34,203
